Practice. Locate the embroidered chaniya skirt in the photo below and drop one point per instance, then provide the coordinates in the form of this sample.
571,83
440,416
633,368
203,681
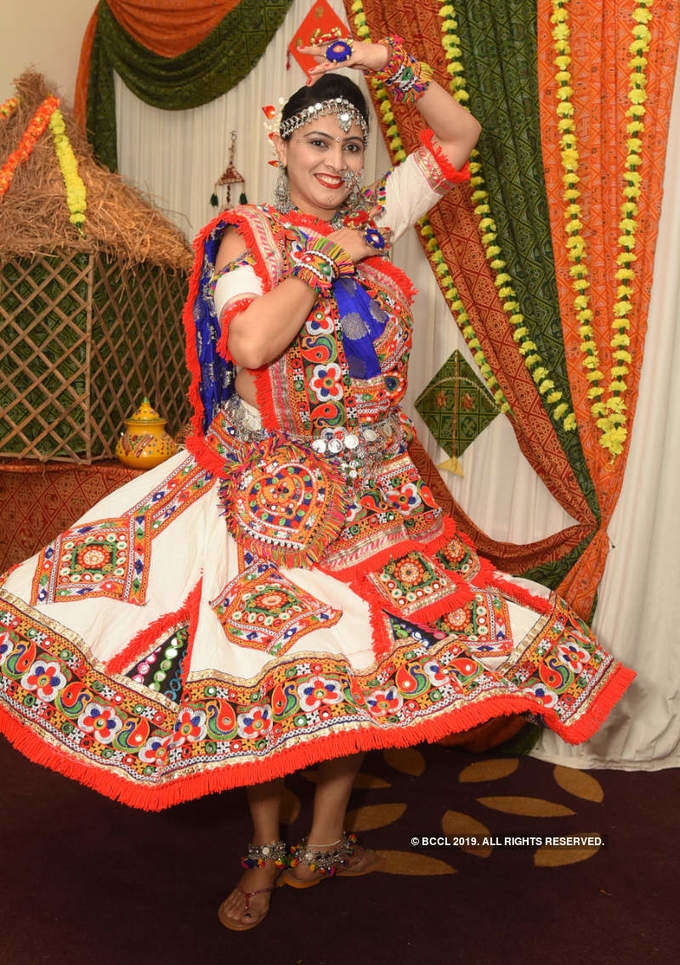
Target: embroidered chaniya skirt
148,655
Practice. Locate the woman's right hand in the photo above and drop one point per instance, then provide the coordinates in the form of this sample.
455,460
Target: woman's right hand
353,241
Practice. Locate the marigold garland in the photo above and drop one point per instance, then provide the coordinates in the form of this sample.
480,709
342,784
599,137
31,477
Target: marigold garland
76,196
35,128
502,280
610,414
434,253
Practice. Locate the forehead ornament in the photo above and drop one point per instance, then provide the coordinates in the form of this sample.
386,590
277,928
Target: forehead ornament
346,113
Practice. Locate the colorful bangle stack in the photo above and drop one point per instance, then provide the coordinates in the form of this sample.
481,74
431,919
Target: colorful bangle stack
320,263
406,78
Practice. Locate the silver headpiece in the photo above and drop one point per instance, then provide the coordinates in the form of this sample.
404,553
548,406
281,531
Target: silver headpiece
346,112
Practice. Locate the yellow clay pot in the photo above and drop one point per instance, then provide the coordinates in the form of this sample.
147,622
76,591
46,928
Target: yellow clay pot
145,443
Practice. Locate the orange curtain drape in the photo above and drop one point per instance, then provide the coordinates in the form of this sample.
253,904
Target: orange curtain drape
166,27
600,39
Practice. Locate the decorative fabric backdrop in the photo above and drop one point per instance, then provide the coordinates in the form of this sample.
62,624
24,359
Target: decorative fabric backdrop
500,492
509,311
173,55
605,74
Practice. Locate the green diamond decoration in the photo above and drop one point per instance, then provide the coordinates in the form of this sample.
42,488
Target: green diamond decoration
456,406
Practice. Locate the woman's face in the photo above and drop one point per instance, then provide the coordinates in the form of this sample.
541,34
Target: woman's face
317,156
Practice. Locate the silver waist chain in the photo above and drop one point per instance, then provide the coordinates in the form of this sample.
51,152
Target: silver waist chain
356,452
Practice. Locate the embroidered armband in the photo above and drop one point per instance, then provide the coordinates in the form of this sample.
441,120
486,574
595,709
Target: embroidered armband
244,260
319,263
406,78
235,285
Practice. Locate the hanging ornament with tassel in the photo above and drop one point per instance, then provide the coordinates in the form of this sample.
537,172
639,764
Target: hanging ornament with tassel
221,196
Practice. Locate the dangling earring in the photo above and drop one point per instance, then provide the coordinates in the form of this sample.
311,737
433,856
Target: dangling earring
281,196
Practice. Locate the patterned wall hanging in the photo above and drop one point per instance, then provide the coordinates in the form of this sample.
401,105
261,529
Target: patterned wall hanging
456,408
321,21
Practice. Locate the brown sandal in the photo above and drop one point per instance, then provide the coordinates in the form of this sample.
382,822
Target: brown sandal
257,857
242,926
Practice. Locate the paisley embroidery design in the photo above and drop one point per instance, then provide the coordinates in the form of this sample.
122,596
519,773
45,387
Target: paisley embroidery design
140,746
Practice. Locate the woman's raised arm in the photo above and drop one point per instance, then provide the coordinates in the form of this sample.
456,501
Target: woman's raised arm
454,127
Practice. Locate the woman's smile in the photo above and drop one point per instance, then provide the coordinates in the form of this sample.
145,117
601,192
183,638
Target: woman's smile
332,181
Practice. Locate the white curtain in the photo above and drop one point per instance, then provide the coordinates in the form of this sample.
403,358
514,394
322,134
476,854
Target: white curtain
176,157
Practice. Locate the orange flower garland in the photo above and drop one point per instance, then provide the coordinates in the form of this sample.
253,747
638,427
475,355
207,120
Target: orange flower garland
35,128
9,107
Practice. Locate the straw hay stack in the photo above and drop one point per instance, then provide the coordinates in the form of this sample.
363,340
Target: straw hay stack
90,321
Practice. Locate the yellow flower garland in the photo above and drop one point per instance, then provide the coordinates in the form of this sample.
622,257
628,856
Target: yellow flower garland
76,196
8,107
609,414
434,253
480,196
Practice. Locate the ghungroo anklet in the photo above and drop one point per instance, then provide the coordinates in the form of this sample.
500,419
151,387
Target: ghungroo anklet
325,858
259,854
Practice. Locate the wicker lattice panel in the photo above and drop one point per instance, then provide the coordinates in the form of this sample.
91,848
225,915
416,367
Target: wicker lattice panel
83,340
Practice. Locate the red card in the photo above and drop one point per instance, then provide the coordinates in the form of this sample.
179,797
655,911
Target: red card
320,20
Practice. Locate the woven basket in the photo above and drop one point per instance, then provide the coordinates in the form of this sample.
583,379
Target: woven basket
84,337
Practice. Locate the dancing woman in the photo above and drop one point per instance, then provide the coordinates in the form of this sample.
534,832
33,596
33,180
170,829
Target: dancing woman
287,591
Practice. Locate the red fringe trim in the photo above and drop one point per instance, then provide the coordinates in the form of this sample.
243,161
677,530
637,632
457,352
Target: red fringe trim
228,313
265,398
296,758
399,277
522,596
145,639
489,578
598,712
205,456
196,443
381,641
445,166
351,573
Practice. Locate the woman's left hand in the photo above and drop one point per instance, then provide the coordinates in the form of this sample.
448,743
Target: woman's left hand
365,56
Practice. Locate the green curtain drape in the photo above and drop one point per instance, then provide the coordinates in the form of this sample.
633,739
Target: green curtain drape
205,72
499,51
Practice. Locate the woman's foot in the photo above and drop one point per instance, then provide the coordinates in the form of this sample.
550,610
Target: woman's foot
248,903
351,860
362,862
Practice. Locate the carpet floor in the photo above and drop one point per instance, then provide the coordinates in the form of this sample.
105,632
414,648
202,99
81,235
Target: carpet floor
85,880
